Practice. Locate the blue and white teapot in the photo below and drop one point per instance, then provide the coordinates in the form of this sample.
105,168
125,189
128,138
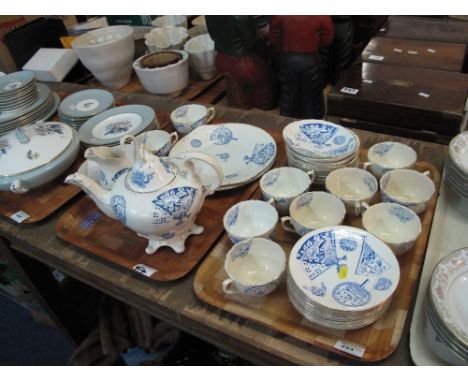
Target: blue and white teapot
159,198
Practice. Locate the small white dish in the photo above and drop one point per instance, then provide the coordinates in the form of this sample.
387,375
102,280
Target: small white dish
282,185
250,218
386,156
202,55
166,38
314,210
188,117
255,268
409,188
159,142
397,226
353,186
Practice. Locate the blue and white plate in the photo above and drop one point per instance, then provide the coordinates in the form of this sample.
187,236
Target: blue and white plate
245,152
86,103
107,128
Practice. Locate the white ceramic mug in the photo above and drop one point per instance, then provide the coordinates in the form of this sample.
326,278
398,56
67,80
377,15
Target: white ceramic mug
188,117
282,185
313,210
409,188
353,186
397,226
250,218
387,156
158,142
255,267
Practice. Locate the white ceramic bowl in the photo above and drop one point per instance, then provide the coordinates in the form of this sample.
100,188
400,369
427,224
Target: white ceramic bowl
353,186
175,20
386,156
251,218
314,210
409,188
255,267
159,142
166,80
166,38
282,185
108,54
202,55
188,117
397,226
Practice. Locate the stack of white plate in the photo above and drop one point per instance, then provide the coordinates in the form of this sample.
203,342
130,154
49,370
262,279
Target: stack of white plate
320,146
456,164
106,128
447,309
78,107
341,277
23,101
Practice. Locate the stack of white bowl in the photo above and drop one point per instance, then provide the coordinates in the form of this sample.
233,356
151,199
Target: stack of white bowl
341,277
321,146
456,164
202,55
446,308
166,38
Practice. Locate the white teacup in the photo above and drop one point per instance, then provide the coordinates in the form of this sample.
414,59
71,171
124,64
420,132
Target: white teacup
282,185
314,210
251,218
386,156
353,186
188,117
159,142
397,226
409,188
255,267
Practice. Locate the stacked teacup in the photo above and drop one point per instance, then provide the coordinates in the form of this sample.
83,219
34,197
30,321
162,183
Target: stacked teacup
320,146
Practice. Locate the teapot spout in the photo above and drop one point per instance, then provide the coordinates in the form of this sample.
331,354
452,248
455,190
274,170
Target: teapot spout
100,195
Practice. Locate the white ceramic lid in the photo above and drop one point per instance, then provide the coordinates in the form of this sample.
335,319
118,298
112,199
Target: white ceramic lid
29,147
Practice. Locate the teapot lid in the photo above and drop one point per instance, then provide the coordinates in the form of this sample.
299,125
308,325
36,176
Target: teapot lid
150,175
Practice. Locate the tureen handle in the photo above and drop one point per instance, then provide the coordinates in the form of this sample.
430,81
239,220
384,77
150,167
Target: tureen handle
211,161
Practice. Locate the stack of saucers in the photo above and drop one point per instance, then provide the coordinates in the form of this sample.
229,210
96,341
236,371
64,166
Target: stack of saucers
23,101
320,146
456,164
446,308
78,107
341,277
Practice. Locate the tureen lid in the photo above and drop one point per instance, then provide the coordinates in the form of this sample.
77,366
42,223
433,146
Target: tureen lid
29,147
150,175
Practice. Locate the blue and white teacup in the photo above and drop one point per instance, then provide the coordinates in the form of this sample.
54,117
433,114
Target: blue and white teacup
158,142
387,156
353,186
313,210
255,268
250,218
282,185
188,117
397,226
409,188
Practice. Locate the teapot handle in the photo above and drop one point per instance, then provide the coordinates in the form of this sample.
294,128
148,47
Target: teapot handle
213,162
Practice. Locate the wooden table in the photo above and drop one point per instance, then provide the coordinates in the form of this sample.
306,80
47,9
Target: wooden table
175,302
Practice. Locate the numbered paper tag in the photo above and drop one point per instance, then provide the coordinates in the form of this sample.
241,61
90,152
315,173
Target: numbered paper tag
376,58
431,50
349,90
412,52
425,95
145,270
19,216
353,349
398,50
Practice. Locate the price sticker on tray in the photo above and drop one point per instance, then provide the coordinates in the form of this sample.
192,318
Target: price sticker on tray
145,270
351,91
376,58
350,348
19,216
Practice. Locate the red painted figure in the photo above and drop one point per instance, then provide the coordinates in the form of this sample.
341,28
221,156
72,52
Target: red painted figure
296,41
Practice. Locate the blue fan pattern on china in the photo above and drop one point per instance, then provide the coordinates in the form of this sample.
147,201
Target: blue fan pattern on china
21,136
223,157
403,215
262,153
4,146
118,127
317,291
176,202
181,112
382,284
370,263
141,178
119,173
348,245
351,294
317,133
118,207
304,200
382,149
196,143
42,129
271,178
232,216
222,136
370,182
241,250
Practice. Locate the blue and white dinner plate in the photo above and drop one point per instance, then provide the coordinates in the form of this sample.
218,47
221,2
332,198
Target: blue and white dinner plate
86,103
244,151
14,83
318,139
106,129
344,269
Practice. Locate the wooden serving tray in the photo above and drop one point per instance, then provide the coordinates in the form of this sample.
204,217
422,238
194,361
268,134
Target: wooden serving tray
275,311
